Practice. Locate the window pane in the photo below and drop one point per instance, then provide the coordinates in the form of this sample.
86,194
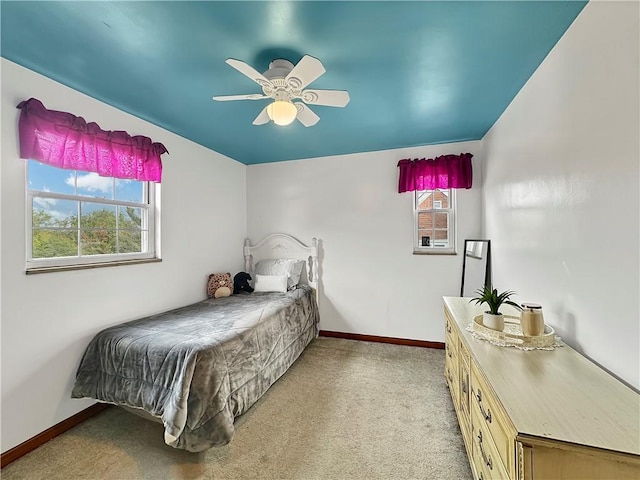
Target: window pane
441,220
129,191
130,217
425,200
425,221
54,213
97,241
441,235
130,223
49,243
129,241
50,179
442,196
97,228
90,184
425,238
441,238
97,215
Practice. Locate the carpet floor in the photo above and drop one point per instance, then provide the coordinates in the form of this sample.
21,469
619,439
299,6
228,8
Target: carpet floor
344,410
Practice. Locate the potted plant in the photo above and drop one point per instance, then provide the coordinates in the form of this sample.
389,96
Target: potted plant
494,300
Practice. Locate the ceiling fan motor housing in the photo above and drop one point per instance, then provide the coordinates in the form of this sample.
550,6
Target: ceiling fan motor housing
277,75
278,68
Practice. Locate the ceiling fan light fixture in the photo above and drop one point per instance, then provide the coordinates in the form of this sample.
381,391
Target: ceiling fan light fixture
282,112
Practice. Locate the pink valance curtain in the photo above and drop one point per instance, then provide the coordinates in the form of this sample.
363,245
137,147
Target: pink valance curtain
65,141
447,171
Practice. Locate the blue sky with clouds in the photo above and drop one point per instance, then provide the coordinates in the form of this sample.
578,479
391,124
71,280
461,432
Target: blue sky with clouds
51,179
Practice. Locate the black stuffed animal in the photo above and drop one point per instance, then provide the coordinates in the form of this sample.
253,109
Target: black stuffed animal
241,283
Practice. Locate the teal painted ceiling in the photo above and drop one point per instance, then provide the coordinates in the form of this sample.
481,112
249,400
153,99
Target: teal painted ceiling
418,73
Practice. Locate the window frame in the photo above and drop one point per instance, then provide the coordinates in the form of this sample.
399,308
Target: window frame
151,196
418,249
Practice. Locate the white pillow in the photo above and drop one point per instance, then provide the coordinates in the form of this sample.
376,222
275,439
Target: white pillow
282,266
270,283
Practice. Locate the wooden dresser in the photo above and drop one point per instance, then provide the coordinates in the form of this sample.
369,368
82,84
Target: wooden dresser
538,414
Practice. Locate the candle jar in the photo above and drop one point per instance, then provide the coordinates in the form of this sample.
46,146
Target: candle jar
531,319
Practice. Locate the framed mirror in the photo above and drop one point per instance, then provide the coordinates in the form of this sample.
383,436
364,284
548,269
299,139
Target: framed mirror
476,266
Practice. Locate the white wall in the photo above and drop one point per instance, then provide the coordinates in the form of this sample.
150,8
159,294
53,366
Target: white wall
371,281
48,319
561,188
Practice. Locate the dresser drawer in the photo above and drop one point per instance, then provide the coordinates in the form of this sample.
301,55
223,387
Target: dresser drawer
463,353
464,386
449,328
451,371
465,427
486,460
451,358
487,417
451,353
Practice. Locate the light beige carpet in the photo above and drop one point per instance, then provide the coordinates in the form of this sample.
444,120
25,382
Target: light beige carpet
345,410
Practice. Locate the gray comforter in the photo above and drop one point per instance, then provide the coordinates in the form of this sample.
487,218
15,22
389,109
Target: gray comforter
198,367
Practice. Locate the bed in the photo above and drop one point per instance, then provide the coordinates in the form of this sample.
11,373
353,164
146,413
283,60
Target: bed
198,367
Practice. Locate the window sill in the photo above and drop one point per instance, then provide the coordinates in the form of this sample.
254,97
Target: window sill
434,252
66,268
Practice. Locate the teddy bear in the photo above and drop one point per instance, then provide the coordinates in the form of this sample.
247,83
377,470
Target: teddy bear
241,283
219,285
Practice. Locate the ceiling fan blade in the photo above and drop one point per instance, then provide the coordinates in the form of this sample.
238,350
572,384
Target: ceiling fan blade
249,71
252,96
328,98
306,116
306,71
262,117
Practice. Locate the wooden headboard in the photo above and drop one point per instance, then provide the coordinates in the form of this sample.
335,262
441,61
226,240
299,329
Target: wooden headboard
281,245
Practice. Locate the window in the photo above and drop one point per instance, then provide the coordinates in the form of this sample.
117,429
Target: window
81,218
434,221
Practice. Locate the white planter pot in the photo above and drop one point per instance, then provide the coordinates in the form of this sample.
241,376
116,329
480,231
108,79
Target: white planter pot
495,322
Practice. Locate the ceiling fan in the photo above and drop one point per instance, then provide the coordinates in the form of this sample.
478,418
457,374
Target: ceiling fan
284,83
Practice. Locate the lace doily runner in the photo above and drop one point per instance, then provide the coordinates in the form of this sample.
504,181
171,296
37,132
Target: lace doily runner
512,336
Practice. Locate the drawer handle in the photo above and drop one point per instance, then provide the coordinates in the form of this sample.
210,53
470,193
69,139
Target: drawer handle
448,327
464,385
448,351
480,476
487,414
485,458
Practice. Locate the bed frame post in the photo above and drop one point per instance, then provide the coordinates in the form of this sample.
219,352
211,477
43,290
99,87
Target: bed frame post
314,260
247,256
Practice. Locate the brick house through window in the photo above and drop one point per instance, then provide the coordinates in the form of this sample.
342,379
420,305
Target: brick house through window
434,214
